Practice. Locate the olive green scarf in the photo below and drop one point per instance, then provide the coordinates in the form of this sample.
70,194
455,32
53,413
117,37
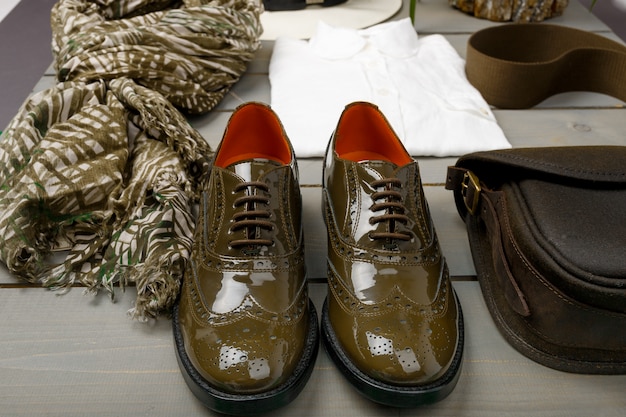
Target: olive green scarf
99,174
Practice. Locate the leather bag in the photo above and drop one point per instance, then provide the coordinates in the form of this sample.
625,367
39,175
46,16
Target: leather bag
547,231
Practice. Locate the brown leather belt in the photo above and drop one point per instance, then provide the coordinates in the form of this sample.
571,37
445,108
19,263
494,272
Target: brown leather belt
519,65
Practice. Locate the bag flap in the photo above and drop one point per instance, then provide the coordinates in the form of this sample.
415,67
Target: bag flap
584,163
602,166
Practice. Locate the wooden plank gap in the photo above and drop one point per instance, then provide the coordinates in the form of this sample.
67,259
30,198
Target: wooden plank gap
568,108
463,278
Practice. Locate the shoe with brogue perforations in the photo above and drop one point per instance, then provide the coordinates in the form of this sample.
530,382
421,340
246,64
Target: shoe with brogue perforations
245,330
391,321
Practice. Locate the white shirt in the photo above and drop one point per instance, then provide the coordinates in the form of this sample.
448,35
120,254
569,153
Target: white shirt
420,86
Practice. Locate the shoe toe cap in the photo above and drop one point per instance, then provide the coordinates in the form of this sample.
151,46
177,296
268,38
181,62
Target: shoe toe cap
405,356
243,352
244,358
400,348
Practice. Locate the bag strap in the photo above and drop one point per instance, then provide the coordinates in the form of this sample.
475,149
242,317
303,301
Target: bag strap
519,65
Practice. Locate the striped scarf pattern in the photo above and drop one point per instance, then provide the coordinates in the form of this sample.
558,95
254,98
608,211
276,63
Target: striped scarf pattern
99,174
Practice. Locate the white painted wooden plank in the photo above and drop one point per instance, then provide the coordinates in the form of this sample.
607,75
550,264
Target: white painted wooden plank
498,381
75,356
261,61
45,82
211,126
581,99
6,278
315,236
251,87
564,127
450,231
50,70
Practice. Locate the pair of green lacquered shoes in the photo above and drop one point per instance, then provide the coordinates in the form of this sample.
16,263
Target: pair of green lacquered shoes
246,333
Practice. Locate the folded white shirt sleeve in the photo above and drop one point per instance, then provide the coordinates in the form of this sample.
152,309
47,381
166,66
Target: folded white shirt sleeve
419,84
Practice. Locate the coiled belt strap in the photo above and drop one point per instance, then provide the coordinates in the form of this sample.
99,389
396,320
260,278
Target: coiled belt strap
519,65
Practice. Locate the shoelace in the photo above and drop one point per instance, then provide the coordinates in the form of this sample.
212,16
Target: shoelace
392,205
252,218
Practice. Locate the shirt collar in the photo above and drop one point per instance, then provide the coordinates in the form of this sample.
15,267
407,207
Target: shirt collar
397,39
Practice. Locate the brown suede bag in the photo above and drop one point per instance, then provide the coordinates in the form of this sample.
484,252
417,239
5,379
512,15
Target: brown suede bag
547,231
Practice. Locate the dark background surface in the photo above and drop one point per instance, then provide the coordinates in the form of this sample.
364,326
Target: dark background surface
611,12
25,38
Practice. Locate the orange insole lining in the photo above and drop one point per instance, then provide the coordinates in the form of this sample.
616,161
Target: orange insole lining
253,132
364,134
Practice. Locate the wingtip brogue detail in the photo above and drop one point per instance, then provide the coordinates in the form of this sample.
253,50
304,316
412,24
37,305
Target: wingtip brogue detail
391,322
245,330
248,349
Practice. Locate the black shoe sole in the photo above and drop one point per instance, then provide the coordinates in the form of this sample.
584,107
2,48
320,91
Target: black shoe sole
392,395
249,404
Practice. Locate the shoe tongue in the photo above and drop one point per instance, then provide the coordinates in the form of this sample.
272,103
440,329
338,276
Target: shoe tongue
253,169
385,169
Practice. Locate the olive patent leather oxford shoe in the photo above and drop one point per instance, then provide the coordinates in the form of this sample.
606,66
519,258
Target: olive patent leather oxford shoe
391,321
245,331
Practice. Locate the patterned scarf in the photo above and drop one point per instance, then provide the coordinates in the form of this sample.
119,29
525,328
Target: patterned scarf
99,174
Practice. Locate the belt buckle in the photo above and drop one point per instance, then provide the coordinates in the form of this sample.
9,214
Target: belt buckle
470,190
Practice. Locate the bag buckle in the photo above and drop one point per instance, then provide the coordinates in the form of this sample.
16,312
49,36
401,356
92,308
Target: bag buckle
470,190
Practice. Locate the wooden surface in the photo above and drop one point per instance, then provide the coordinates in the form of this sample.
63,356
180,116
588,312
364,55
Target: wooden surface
77,355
